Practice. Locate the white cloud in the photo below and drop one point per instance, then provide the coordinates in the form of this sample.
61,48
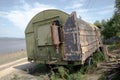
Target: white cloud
20,18
74,6
23,14
94,14
106,10
10,32
97,10
110,11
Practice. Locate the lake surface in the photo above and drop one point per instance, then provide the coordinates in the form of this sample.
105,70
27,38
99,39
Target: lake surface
10,45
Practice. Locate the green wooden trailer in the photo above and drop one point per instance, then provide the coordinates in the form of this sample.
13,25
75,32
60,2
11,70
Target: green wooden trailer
55,37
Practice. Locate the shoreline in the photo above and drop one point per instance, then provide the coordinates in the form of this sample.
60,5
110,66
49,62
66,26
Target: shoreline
9,57
11,52
11,45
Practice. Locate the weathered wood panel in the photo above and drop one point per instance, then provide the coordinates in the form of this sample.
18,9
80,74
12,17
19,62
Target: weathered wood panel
88,39
71,40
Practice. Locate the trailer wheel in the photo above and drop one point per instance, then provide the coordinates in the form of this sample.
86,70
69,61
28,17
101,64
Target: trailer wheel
89,61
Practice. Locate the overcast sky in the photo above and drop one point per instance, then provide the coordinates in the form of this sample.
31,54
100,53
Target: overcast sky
15,14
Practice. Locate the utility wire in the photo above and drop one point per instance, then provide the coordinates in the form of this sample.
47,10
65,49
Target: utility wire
89,5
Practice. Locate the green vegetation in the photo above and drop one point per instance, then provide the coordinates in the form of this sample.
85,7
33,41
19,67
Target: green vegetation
113,47
63,74
81,74
77,76
98,57
103,77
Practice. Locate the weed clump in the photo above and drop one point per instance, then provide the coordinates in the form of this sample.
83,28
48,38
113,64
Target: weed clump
98,57
66,74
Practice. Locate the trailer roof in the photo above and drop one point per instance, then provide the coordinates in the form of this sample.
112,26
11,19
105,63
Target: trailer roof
46,14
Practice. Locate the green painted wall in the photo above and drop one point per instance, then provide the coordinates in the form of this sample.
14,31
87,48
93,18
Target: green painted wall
38,33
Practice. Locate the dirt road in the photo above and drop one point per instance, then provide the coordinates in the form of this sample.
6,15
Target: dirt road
16,69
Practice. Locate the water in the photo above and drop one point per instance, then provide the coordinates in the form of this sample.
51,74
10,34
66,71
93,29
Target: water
10,45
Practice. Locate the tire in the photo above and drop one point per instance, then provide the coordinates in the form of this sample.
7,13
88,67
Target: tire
89,62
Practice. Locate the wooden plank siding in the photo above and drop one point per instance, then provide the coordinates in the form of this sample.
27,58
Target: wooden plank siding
88,39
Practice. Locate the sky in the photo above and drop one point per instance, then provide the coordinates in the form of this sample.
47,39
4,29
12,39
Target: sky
16,14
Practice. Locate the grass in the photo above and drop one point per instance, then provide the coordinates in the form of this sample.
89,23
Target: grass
98,57
103,77
64,74
113,47
77,76
115,50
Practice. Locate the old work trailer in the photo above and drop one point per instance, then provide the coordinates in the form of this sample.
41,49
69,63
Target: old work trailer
55,37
